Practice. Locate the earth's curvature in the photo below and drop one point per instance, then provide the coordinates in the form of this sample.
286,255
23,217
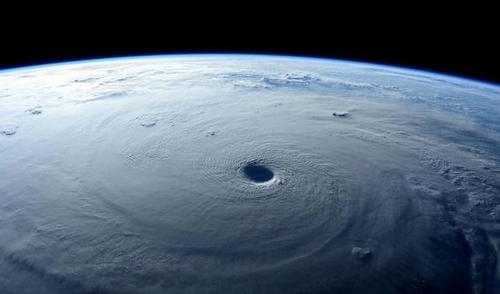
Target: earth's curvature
247,174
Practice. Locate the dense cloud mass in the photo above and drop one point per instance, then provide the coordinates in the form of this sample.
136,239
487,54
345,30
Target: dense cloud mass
247,174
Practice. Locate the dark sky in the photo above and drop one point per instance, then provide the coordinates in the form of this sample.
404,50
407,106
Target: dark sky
462,47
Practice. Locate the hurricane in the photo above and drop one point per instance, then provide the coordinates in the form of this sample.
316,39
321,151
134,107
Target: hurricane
247,174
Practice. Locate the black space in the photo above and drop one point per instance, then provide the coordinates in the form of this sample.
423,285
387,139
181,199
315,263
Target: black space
465,46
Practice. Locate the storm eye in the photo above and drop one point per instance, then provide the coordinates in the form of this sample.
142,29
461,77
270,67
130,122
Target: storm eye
257,173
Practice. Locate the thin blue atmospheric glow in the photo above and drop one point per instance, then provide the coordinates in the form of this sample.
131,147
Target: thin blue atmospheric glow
402,69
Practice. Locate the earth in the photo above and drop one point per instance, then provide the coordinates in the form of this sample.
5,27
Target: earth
247,174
